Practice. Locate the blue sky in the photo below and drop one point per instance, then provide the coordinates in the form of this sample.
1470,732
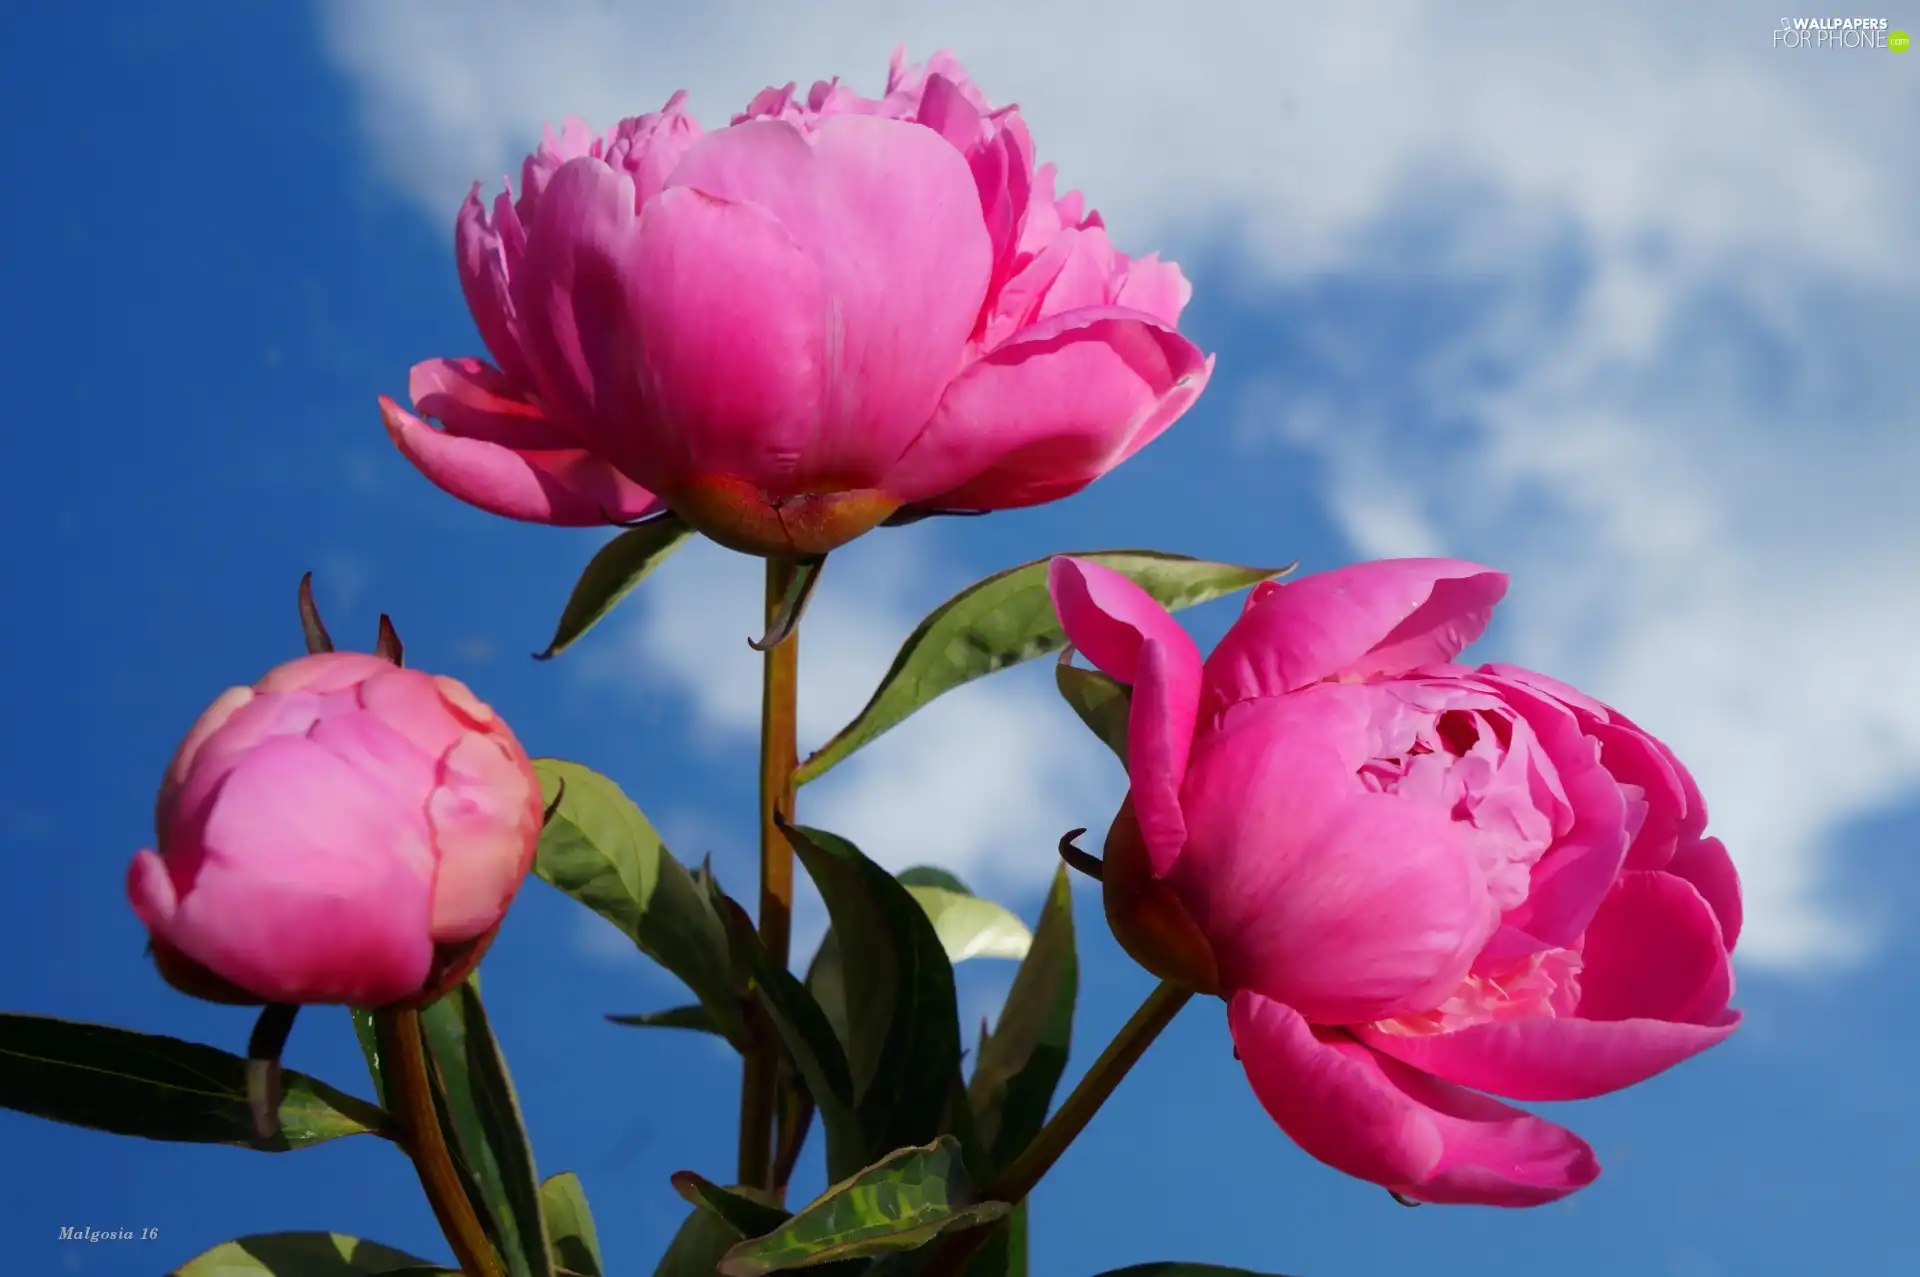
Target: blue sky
1624,307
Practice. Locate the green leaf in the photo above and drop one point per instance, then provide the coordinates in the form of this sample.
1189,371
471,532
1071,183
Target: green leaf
1168,1268
1101,702
484,1116
1021,1061
615,569
807,1034
902,1030
570,1232
159,1088
1004,620
967,925
599,849
696,1249
972,927
696,1018
902,1202
305,1255
750,1212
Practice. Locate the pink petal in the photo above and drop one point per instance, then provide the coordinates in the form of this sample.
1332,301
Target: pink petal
1378,1120
1707,866
1675,814
1571,880
481,256
1045,414
1349,905
475,401
309,886
1655,951
569,297
730,307
486,826
867,328
1156,287
1127,634
568,487
1654,992
1543,1059
1386,617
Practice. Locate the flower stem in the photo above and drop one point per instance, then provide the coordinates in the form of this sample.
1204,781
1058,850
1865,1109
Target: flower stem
1013,1184
779,756
404,1054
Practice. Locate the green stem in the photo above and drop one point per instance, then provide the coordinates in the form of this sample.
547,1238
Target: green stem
1013,1184
759,1083
404,1054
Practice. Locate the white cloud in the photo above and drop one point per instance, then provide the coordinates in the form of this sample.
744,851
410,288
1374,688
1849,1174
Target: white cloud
1712,540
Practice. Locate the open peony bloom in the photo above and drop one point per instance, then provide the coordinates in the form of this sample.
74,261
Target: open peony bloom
834,312
342,831
1414,882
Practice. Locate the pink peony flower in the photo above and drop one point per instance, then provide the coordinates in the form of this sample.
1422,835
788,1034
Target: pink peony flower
342,831
834,312
1412,881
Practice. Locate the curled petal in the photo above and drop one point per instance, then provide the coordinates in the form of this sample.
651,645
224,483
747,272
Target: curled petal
1385,617
1707,866
1542,1059
1045,414
1378,1120
1127,634
568,487
475,401
1655,951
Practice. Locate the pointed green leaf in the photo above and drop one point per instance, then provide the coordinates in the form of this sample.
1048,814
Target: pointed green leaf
598,848
575,1243
751,1212
1004,620
1021,1061
1166,1268
697,1018
160,1088
1101,702
902,1030
615,569
306,1255
807,1035
483,1114
972,927
900,1203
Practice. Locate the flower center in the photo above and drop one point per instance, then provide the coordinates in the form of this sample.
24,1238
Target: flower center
1540,984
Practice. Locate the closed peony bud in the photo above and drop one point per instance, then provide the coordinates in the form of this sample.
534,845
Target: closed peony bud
343,831
1416,884
834,312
